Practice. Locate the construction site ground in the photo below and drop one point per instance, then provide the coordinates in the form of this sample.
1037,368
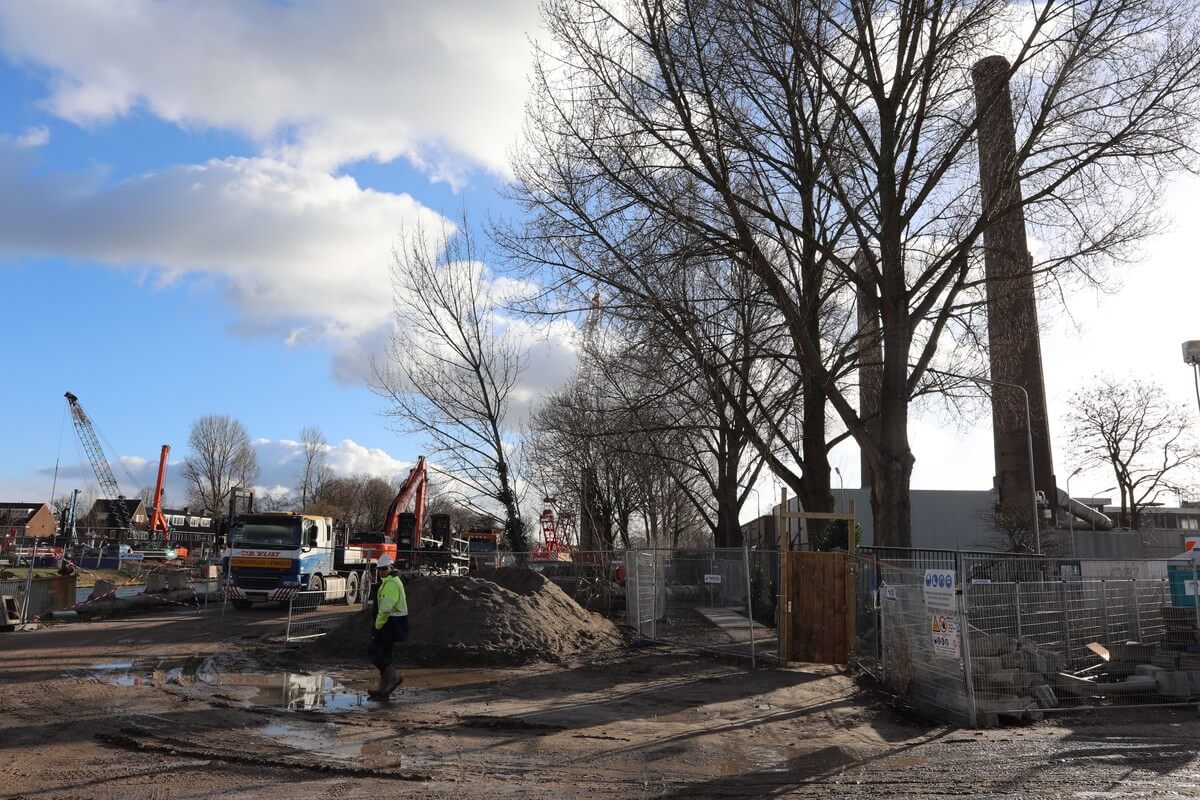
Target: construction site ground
117,709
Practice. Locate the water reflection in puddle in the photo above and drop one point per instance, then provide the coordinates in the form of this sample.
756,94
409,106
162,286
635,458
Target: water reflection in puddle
293,691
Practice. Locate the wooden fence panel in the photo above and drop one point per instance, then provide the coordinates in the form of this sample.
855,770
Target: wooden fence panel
819,585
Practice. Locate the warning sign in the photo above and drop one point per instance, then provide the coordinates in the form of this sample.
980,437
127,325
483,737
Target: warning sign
945,635
939,589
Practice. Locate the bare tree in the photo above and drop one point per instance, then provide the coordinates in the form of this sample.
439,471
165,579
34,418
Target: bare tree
453,368
1013,532
1133,429
272,501
221,459
314,471
829,149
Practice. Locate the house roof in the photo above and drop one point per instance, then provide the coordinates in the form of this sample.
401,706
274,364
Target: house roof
133,505
18,513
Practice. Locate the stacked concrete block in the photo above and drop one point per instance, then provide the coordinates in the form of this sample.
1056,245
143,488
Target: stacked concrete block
1012,677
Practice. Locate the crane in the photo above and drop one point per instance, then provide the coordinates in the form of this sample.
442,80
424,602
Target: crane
158,522
95,453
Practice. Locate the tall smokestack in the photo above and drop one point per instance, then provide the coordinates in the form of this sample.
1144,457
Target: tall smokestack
1015,351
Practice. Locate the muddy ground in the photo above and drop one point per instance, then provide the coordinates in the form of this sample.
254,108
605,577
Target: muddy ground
177,706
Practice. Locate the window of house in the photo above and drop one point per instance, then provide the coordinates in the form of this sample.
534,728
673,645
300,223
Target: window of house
1189,523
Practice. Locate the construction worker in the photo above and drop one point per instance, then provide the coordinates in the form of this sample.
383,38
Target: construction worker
390,627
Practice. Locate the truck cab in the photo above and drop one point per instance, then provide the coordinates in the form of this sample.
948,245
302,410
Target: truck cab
272,556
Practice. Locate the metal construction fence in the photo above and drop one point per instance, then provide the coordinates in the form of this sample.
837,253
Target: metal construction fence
973,637
712,600
716,600
312,614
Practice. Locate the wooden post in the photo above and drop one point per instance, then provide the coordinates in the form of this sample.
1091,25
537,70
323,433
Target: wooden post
784,537
851,585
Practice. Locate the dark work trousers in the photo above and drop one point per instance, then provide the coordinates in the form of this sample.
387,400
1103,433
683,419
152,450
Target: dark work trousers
384,639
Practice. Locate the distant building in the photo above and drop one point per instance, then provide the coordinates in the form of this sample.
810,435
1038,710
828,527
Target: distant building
1171,518
104,514
759,534
949,519
194,531
24,520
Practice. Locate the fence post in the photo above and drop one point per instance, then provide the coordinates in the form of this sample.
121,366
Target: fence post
1195,593
749,602
964,632
287,634
1104,609
1137,610
1018,599
1066,617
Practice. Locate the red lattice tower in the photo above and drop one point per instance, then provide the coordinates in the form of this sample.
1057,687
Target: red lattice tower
558,531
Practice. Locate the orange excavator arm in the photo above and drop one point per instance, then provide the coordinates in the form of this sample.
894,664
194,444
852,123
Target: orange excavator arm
413,489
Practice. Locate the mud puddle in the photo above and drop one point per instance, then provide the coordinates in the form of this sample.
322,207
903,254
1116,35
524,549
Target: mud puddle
438,679
330,741
292,691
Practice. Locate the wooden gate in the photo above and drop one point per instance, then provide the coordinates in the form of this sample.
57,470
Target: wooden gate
818,608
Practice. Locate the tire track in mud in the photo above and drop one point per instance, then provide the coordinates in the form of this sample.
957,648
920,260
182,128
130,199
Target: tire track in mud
141,740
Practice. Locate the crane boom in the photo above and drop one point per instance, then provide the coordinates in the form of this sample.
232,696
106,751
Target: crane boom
158,523
95,454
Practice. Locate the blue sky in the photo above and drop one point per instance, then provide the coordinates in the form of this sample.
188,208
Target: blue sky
197,203
147,325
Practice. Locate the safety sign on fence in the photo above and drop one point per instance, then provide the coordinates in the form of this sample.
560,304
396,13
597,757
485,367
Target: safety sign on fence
712,578
939,589
945,635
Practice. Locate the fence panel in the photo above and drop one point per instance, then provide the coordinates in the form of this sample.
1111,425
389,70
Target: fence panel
922,653
703,599
1036,634
309,618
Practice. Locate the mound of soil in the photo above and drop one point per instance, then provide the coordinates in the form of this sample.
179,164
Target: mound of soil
505,616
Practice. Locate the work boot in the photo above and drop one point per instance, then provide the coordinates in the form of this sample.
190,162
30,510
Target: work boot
394,681
383,684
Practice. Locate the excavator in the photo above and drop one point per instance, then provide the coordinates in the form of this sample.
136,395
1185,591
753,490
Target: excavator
403,537
399,524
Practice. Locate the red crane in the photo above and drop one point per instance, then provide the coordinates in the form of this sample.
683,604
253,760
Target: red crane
158,523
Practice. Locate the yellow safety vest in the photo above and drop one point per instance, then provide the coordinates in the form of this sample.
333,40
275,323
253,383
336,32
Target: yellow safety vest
391,601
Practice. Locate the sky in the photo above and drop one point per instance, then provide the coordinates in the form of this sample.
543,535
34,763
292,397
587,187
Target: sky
198,203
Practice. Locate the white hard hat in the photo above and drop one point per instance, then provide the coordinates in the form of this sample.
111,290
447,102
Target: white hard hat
384,560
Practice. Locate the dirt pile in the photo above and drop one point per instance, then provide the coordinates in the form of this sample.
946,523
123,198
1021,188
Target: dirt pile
505,616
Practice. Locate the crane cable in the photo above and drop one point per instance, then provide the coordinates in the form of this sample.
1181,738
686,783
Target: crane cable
58,456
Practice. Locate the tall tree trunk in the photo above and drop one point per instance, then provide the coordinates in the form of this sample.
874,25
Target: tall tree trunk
892,464
816,493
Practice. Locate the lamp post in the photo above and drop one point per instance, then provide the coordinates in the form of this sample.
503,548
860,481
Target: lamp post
1191,355
1037,527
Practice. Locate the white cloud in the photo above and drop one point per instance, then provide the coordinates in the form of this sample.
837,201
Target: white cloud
279,463
319,83
294,249
32,137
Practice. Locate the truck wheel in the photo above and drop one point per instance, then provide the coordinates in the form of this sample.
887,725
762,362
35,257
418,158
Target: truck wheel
316,584
352,589
242,605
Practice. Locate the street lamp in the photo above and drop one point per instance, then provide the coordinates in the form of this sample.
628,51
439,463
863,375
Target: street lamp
1037,527
841,485
1191,355
757,499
